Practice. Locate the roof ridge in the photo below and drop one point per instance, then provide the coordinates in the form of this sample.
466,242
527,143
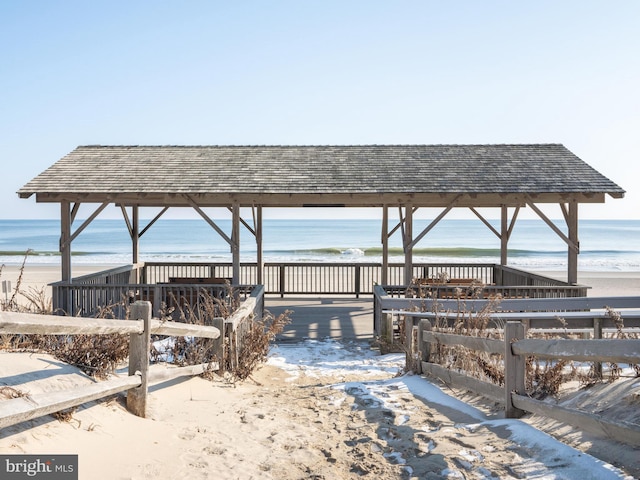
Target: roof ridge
379,145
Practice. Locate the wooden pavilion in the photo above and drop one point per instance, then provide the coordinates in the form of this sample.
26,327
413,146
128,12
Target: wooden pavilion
406,177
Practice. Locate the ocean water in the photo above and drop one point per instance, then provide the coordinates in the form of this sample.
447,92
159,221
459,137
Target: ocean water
606,245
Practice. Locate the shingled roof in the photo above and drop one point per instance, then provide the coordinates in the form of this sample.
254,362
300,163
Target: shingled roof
367,175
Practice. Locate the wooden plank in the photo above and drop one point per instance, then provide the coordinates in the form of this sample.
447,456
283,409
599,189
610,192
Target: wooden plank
243,312
631,318
623,432
526,304
489,345
199,280
28,323
18,410
584,315
459,380
177,329
607,350
158,376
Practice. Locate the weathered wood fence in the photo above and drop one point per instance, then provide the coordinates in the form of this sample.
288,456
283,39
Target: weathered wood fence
139,377
516,347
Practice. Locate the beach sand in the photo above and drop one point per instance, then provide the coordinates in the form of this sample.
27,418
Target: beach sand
279,426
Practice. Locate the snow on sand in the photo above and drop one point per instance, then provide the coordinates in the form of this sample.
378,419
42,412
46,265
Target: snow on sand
317,409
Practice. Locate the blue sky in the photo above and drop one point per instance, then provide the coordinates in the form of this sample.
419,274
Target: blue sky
319,72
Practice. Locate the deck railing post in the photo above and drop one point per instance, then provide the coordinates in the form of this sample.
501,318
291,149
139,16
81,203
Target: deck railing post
282,273
514,366
139,347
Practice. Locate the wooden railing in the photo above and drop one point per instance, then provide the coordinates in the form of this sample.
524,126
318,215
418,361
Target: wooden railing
447,296
318,277
140,377
581,316
152,281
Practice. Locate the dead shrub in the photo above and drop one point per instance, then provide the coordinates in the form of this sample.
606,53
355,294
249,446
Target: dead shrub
239,352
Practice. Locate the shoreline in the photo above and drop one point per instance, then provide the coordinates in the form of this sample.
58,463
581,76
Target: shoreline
602,283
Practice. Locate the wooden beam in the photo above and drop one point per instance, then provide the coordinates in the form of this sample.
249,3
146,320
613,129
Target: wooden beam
74,212
435,221
125,215
426,199
553,226
244,222
155,219
485,221
88,221
206,218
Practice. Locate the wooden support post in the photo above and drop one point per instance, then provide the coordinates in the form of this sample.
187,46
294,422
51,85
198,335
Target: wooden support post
235,243
514,366
504,235
66,299
574,246
384,275
139,346
135,235
407,242
259,247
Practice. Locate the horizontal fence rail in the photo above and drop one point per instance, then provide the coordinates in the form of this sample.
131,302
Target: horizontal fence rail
21,409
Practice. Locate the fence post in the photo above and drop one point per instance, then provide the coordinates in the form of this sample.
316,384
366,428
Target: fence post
424,347
597,334
514,366
387,328
139,346
218,343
